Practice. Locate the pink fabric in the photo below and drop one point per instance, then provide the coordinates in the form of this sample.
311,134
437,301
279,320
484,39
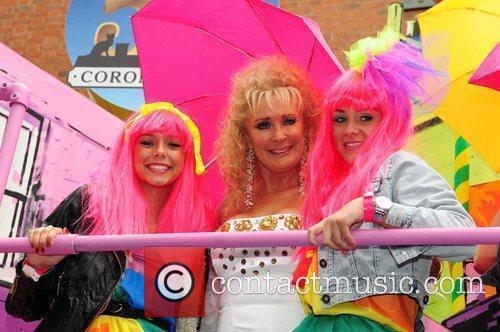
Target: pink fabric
488,73
190,49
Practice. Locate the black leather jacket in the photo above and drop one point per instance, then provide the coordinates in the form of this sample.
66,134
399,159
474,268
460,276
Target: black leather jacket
75,291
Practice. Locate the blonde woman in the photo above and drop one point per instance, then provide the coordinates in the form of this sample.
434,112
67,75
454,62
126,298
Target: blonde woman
263,150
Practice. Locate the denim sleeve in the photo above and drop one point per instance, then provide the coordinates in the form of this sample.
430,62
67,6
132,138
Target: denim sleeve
423,199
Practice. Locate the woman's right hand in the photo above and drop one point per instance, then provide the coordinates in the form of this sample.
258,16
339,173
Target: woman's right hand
337,228
41,238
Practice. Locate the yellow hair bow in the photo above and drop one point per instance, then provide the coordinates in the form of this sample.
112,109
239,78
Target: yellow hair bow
147,109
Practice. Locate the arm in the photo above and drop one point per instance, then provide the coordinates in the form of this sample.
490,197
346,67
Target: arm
28,299
422,198
486,254
31,300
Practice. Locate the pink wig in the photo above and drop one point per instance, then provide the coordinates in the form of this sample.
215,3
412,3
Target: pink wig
387,83
117,204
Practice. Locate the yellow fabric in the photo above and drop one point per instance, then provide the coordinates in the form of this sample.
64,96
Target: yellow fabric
395,311
483,5
147,109
104,323
457,35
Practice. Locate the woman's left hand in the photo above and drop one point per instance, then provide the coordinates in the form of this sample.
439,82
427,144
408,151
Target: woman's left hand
337,227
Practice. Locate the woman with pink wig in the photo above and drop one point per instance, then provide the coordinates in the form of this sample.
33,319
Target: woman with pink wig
153,185
361,179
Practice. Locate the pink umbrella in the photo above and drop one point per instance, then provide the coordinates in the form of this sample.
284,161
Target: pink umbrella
189,49
488,73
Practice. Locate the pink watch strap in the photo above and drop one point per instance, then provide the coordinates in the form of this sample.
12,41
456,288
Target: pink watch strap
368,207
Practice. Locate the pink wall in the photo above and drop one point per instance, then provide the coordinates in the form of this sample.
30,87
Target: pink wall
64,142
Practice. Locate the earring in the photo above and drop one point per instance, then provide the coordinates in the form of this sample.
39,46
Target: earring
250,176
302,178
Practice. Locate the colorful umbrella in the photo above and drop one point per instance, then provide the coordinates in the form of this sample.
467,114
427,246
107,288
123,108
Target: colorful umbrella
488,74
457,35
188,51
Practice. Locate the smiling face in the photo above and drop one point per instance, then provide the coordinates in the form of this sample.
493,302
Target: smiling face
277,136
158,160
351,128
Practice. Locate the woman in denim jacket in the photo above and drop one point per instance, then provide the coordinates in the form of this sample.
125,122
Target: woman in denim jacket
360,179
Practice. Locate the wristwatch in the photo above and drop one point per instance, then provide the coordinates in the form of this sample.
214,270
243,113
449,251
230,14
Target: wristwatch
382,207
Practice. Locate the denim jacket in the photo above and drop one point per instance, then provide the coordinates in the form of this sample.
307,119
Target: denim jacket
421,198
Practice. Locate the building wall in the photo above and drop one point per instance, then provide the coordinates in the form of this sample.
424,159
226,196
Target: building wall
63,143
36,28
345,21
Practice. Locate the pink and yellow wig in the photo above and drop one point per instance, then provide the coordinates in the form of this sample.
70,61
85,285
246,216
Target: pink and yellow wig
117,204
384,77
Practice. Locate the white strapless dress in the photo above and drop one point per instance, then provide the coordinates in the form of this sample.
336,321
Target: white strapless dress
258,295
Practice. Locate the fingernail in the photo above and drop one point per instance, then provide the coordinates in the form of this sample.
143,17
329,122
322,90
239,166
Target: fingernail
65,230
49,243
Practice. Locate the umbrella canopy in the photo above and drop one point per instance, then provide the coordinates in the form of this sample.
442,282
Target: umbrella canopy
189,50
488,74
457,35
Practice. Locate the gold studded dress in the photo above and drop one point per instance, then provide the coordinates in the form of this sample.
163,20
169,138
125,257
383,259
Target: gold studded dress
257,295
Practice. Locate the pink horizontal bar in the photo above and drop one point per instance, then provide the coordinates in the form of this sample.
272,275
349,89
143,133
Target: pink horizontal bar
70,244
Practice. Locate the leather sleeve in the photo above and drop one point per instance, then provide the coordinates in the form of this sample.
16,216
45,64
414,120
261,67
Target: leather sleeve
31,300
28,299
68,212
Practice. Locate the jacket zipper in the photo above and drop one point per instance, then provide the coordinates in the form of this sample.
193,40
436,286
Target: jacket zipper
105,304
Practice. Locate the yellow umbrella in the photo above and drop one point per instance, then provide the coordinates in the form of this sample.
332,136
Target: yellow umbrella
457,35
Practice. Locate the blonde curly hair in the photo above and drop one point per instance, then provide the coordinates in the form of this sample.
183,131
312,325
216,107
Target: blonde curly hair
276,81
